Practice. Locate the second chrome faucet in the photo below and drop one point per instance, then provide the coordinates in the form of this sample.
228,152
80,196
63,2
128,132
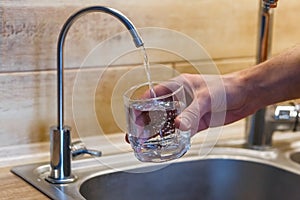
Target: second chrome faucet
256,124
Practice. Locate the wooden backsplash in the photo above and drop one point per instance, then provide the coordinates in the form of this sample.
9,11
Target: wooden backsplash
226,29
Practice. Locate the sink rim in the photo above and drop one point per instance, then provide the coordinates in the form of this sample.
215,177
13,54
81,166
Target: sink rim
266,168
38,171
272,157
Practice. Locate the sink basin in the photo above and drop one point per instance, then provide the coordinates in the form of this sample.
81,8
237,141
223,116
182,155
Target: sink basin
227,173
201,179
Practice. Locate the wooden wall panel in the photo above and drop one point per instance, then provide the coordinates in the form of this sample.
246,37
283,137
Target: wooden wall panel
29,29
286,25
227,29
28,107
28,102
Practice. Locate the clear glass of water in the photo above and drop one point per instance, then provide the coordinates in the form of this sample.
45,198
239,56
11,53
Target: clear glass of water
150,113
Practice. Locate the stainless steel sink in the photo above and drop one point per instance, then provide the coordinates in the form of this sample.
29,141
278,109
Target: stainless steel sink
200,179
227,173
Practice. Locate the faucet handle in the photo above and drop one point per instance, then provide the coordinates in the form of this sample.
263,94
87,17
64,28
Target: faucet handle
297,109
78,148
286,112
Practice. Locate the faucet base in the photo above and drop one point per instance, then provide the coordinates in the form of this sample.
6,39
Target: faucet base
69,179
60,156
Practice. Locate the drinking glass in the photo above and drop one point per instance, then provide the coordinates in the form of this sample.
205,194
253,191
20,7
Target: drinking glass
150,114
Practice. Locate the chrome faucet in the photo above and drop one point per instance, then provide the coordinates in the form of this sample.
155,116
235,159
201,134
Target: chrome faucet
256,124
61,149
282,118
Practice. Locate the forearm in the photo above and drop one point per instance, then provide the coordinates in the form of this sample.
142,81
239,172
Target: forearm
246,91
275,80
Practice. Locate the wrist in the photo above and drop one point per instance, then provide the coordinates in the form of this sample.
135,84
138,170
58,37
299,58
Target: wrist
253,89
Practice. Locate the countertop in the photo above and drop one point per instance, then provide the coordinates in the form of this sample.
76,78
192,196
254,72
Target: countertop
13,187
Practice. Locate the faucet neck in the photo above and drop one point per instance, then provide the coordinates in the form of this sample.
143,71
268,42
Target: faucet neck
60,48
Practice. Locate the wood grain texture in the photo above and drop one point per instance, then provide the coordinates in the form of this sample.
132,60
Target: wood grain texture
28,34
12,187
28,101
226,29
219,66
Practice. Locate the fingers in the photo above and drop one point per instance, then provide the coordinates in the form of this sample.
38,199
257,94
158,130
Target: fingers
198,116
189,118
199,124
206,100
167,87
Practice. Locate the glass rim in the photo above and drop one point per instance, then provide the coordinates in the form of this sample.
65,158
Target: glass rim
133,88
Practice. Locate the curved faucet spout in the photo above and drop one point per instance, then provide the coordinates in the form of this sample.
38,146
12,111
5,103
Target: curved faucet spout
60,48
60,136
